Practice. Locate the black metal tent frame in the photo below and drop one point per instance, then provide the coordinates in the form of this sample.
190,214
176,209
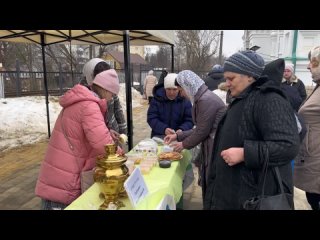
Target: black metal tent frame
62,36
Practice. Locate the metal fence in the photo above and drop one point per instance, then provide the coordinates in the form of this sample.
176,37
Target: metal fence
17,84
23,83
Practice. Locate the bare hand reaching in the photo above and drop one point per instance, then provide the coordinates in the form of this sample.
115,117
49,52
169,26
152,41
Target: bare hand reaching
169,138
169,131
178,147
115,135
233,156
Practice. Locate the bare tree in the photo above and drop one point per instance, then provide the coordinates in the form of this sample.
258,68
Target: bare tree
30,56
152,60
11,52
101,51
161,59
105,49
196,48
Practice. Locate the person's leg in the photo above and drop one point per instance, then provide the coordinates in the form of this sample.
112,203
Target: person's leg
179,205
203,182
313,200
49,205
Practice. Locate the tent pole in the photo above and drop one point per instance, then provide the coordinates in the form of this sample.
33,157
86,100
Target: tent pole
172,58
45,81
126,48
72,77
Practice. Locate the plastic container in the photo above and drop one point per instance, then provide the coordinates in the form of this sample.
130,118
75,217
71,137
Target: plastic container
167,148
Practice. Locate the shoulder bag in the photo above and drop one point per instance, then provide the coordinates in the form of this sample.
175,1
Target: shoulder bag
280,201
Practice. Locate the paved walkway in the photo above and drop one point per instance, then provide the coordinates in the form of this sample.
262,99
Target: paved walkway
19,170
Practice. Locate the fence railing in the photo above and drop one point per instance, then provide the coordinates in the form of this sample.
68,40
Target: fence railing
23,83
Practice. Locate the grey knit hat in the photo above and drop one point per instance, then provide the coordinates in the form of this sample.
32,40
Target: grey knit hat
217,68
245,62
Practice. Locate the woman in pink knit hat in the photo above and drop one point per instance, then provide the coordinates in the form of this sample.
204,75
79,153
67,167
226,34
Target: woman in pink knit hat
78,137
114,117
291,80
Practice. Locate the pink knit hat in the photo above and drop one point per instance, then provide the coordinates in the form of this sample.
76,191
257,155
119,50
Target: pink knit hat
108,80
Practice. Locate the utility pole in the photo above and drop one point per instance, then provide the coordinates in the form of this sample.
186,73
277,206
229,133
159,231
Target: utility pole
220,51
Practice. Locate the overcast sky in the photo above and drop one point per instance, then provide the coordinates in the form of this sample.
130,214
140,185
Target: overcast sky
232,41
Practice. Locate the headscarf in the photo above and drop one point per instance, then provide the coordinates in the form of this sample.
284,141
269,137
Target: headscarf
89,67
190,82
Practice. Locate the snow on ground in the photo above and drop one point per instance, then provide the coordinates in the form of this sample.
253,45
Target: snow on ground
136,97
23,120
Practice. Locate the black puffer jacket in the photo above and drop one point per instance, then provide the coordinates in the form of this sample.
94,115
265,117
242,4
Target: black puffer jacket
258,120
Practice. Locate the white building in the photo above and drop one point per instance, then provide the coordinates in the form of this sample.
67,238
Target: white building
292,45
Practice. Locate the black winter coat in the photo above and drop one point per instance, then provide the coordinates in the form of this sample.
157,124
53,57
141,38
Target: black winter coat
299,85
213,80
259,119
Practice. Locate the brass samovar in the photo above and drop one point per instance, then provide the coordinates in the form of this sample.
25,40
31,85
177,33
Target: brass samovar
110,174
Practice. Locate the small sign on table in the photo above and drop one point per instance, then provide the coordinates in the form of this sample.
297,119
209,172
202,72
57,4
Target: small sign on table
136,187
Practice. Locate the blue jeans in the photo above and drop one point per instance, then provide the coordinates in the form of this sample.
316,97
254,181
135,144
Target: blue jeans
49,205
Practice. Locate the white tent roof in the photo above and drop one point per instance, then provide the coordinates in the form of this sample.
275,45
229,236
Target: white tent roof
101,37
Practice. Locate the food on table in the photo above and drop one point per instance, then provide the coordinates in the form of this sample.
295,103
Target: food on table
170,155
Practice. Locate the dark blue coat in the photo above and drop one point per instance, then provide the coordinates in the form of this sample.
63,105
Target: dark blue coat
164,113
293,96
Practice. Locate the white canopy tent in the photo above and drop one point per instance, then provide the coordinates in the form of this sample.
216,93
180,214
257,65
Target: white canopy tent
102,37
99,37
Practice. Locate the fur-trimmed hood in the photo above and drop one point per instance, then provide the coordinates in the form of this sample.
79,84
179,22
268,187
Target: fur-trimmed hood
293,79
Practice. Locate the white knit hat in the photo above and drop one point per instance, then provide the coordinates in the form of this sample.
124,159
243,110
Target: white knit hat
169,80
289,66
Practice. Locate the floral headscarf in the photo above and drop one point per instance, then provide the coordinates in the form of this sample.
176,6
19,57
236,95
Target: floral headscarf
190,82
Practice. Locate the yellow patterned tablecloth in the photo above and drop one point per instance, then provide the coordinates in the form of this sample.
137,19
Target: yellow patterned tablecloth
160,182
